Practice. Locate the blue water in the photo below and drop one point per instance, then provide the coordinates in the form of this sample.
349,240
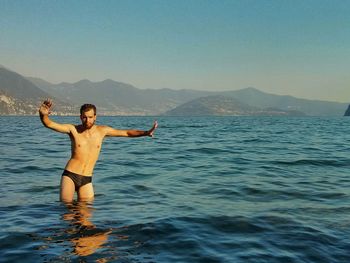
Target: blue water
205,189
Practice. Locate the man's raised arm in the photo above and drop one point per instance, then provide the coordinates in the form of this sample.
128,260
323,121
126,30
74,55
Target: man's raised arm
44,111
130,133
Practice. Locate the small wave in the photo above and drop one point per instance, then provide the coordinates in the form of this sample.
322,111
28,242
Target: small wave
24,169
206,150
211,238
334,163
40,189
219,191
228,238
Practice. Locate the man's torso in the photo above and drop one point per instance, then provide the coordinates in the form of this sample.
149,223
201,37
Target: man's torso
86,147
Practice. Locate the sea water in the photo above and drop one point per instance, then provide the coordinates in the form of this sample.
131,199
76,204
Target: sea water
204,189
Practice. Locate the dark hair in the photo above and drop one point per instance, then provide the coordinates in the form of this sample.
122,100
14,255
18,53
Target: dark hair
87,107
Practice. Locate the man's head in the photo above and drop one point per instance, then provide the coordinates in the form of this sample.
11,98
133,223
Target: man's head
87,107
88,115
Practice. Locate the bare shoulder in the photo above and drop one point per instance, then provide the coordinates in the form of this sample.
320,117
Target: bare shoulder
103,128
110,131
70,127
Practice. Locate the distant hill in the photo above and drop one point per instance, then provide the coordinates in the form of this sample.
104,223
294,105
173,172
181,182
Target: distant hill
252,96
223,105
347,113
18,96
117,98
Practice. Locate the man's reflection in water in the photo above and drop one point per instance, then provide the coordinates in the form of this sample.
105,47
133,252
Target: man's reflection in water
84,235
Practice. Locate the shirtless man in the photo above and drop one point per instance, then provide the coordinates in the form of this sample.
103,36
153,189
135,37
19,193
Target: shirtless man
86,140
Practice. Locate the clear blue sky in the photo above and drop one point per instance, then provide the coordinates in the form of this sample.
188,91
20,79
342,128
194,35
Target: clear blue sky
296,47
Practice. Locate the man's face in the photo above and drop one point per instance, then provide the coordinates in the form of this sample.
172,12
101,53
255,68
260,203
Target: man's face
88,119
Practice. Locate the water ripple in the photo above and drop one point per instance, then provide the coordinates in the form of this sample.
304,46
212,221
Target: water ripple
228,189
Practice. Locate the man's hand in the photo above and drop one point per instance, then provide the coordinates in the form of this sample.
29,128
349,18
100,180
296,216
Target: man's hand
151,131
45,107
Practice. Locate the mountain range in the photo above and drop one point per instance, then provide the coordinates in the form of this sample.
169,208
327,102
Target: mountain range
21,95
220,105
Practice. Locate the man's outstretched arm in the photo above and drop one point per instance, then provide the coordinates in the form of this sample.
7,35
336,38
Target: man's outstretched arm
44,111
130,133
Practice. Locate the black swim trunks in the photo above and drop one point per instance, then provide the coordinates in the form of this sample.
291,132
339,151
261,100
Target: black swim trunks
79,180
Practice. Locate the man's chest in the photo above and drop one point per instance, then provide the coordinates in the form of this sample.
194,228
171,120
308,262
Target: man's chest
87,142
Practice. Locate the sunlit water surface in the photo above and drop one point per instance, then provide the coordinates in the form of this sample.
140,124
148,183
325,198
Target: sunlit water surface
204,189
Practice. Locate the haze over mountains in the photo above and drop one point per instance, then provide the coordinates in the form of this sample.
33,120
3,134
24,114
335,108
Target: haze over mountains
116,98
226,106
21,96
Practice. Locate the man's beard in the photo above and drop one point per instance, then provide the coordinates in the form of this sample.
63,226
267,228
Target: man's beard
88,126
